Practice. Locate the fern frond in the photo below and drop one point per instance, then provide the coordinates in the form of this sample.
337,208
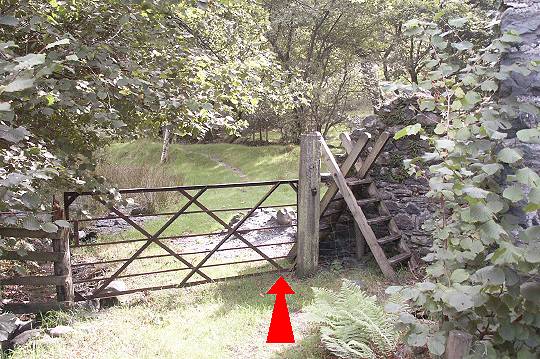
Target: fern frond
353,324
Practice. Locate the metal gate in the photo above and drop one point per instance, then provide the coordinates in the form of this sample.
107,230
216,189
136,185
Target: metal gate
162,247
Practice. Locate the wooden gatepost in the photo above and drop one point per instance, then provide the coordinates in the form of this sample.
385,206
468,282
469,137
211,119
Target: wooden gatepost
307,257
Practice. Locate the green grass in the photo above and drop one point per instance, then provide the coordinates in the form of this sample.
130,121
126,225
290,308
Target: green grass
221,320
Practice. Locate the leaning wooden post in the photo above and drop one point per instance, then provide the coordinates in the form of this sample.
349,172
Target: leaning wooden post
307,257
458,344
62,265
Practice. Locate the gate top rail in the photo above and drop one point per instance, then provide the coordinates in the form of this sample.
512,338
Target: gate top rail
187,188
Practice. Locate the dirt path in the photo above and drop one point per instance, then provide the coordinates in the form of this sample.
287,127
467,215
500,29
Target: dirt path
237,171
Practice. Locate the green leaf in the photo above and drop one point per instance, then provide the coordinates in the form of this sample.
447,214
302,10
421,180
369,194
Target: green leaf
459,300
408,131
8,21
62,223
5,106
459,275
532,254
436,344
31,223
491,168
475,192
529,135
528,177
509,155
489,275
458,22
57,43
472,97
29,61
445,144
489,85
531,291
49,227
514,193
462,46
19,85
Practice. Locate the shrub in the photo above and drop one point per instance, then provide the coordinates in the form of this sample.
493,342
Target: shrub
140,176
353,325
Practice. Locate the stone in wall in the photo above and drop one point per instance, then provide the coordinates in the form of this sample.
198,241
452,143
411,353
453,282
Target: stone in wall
523,18
405,197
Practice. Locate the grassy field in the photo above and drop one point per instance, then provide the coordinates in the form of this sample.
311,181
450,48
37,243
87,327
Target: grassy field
220,320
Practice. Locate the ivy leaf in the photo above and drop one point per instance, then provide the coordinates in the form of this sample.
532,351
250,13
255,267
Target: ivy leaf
62,223
491,168
475,192
531,291
489,85
460,301
436,344
472,97
462,46
458,22
57,43
509,155
31,223
528,177
8,21
408,131
532,254
29,61
459,275
49,227
19,85
489,275
529,135
514,193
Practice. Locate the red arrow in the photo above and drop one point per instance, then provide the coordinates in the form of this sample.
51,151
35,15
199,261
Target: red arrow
280,330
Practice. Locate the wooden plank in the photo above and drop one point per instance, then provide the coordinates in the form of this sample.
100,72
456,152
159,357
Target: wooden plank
374,154
35,256
364,201
399,258
357,213
458,344
26,308
389,239
25,233
348,145
62,267
34,280
345,169
307,247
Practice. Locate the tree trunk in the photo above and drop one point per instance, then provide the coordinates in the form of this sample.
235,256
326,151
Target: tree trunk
166,143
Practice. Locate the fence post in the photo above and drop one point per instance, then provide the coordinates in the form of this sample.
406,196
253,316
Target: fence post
60,244
307,257
458,344
65,292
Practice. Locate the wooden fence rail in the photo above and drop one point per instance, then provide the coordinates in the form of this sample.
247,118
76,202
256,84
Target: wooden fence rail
59,256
